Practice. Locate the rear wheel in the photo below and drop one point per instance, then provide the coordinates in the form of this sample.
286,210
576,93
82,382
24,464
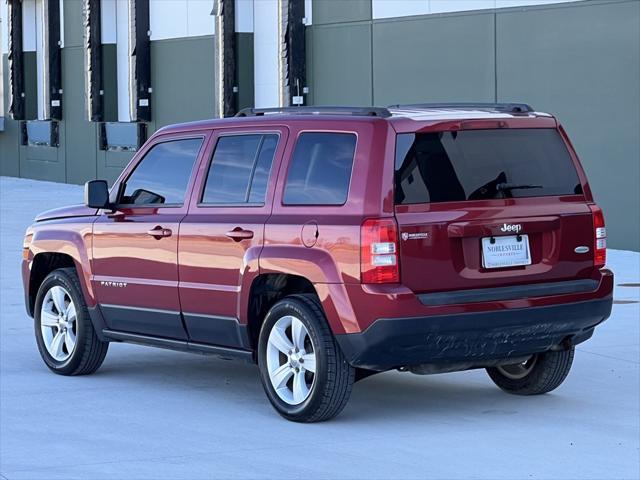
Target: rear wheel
67,342
303,371
541,373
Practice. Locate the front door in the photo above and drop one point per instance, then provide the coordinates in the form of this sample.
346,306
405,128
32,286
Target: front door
222,235
135,248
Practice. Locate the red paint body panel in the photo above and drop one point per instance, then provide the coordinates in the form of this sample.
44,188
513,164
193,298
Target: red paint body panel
71,236
372,302
450,258
204,274
148,265
65,212
216,271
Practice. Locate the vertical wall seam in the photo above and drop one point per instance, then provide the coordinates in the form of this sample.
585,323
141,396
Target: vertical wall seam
371,58
495,56
373,97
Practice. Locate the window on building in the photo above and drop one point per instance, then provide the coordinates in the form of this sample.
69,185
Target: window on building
320,169
240,168
163,174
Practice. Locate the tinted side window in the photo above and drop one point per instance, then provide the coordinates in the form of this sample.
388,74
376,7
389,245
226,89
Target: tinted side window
163,174
320,169
262,169
239,170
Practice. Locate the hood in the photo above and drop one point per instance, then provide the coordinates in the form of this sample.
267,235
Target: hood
66,212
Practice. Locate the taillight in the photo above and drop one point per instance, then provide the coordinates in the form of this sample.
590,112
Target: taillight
379,247
600,237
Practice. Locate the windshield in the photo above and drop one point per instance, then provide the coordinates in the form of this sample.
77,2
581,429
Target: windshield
482,164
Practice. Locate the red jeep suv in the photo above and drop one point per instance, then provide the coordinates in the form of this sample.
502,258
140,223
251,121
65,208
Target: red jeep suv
329,243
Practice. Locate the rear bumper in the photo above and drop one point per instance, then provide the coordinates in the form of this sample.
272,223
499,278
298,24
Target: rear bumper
473,337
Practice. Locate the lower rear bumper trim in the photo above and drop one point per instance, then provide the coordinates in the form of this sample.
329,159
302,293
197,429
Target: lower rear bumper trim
398,342
508,293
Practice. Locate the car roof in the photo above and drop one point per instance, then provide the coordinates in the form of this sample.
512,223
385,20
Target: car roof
397,115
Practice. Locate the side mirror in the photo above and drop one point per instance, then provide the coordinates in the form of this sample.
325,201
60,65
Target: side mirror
96,194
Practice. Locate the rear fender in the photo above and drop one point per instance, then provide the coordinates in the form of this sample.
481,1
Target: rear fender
319,268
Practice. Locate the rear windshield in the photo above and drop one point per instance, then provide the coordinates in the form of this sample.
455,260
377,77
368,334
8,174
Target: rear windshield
482,164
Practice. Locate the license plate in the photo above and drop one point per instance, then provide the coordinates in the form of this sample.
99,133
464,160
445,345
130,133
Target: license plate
506,251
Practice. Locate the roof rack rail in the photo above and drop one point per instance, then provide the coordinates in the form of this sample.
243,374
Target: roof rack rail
312,110
501,107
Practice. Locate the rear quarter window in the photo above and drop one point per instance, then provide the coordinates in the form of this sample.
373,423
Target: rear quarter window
320,169
482,164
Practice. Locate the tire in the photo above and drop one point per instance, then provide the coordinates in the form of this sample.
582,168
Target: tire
542,373
303,396
87,352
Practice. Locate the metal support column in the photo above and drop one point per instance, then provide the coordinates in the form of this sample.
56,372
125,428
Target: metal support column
224,65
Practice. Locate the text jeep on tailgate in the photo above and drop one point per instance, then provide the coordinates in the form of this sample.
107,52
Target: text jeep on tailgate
330,243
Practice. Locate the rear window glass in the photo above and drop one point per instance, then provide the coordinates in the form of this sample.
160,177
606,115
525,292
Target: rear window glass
482,164
320,169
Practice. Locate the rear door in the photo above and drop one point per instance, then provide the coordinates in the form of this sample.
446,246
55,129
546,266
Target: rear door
223,233
489,208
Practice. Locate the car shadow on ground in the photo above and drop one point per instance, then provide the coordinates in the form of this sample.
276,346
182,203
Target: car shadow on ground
208,380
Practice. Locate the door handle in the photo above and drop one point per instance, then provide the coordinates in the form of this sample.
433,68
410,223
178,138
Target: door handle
238,234
158,232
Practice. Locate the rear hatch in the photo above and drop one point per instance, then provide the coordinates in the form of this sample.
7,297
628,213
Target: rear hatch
486,208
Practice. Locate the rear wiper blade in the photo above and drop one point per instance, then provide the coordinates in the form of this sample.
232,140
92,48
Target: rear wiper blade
514,186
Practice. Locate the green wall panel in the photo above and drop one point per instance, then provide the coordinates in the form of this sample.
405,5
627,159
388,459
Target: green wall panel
111,164
245,70
182,79
9,139
434,58
583,64
341,64
40,163
30,86
73,23
110,83
43,163
309,59
336,11
79,133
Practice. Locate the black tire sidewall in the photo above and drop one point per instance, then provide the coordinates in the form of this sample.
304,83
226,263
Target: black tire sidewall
83,323
549,372
290,306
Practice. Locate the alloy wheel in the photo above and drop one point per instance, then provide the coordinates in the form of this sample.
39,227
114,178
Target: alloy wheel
291,360
519,370
58,323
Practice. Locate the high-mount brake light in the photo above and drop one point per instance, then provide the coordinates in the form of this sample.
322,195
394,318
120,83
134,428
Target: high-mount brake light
379,251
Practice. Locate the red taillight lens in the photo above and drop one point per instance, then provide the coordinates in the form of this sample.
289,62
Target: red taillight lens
599,237
379,247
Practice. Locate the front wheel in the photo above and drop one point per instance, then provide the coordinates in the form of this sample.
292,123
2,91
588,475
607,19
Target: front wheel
541,373
303,371
67,342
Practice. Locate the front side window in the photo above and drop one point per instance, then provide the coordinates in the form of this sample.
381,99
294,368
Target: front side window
163,174
483,165
240,168
320,169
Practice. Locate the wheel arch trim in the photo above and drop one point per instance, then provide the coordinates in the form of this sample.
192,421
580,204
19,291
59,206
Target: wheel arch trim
66,243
